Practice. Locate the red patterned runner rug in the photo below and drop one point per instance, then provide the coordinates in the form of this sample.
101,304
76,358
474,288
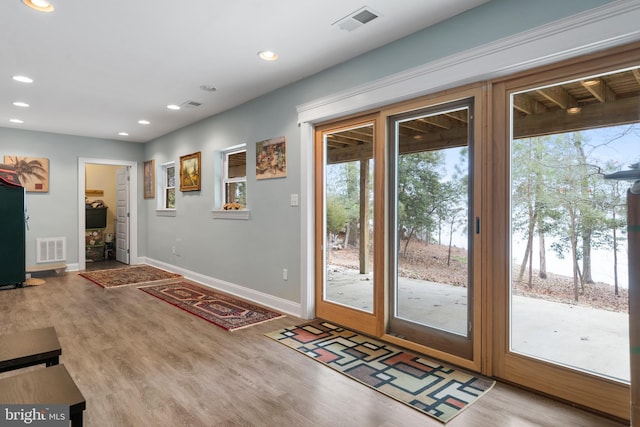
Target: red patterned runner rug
132,275
222,310
437,390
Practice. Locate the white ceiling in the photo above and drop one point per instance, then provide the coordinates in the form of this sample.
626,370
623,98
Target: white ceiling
100,66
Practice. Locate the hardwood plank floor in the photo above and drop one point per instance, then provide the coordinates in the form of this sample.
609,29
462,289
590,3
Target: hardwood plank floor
140,362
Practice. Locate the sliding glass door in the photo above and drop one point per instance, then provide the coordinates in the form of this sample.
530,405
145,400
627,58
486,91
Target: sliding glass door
432,227
398,220
499,244
566,288
348,283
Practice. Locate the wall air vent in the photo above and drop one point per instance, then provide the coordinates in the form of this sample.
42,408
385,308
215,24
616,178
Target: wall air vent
357,19
51,249
190,104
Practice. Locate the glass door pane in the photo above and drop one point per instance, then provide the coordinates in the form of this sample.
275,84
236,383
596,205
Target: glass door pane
569,269
431,281
348,218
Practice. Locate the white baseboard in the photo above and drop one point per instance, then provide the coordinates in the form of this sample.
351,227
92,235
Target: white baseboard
73,267
275,303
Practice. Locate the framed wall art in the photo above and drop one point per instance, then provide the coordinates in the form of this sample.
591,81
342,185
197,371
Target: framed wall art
33,172
149,175
190,172
271,158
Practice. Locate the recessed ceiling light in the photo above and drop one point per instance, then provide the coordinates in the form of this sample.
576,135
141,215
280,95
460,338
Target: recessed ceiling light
123,134
574,110
173,107
208,88
268,55
16,121
144,122
21,104
22,79
39,5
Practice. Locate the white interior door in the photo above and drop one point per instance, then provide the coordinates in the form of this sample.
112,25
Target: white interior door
122,215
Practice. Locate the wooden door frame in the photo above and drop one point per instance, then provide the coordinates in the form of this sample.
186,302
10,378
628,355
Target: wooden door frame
477,91
375,324
369,323
601,394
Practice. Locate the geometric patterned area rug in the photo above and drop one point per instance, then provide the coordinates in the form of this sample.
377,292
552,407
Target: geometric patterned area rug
424,384
222,310
131,275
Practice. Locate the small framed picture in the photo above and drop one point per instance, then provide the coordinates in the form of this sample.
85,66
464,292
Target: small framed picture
271,158
190,172
33,172
149,179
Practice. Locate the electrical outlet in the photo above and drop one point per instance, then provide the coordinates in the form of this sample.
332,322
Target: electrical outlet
285,274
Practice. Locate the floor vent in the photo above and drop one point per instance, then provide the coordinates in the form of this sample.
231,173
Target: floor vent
51,249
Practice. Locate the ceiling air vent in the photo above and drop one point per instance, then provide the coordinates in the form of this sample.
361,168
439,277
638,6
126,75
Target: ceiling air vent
357,19
190,104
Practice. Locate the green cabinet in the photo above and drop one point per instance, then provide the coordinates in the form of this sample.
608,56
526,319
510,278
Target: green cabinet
12,235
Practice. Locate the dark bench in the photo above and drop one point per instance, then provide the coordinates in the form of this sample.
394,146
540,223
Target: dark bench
49,386
28,348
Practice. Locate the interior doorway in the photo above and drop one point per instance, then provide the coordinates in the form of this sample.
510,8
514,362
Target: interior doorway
117,230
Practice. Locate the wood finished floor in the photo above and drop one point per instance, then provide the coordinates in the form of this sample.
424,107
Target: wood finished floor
142,362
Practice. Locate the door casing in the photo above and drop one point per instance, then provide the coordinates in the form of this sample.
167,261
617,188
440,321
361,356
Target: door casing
133,206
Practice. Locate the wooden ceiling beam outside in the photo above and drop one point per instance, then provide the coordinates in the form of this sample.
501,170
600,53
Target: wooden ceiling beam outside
436,141
621,112
450,130
559,96
527,104
636,74
350,137
459,115
344,140
238,159
455,137
350,154
414,126
438,121
599,89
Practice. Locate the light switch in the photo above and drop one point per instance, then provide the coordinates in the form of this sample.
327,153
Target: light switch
294,200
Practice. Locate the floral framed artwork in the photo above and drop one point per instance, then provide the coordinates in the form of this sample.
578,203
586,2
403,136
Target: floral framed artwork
271,158
149,175
190,172
33,172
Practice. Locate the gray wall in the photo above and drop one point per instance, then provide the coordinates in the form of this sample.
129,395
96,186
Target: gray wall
251,253
55,214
